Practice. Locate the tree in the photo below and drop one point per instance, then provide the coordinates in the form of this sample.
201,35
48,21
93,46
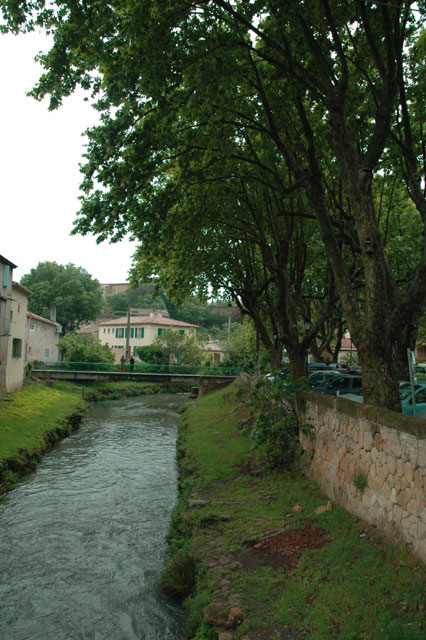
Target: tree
145,296
336,86
72,290
240,346
177,348
83,347
152,354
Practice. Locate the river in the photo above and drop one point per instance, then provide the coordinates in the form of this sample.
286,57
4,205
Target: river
82,539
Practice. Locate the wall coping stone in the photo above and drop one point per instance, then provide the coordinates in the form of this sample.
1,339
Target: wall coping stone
383,417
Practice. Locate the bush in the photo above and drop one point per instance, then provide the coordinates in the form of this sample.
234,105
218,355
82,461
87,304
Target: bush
273,424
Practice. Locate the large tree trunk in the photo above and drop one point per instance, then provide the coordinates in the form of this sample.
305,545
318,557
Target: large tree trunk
298,362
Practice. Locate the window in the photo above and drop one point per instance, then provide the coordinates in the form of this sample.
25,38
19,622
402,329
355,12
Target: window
141,332
159,332
181,332
104,330
46,353
16,348
32,327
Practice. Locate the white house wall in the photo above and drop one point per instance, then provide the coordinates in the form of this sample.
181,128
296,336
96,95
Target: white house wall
17,340
43,340
107,335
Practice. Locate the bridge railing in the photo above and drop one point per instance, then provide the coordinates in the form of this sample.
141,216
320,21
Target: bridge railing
138,368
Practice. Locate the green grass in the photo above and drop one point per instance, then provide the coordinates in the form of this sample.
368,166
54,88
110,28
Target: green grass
358,586
30,413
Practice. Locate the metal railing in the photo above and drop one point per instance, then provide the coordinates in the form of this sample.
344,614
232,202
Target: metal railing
108,367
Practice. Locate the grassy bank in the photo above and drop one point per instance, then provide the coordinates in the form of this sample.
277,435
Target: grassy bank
34,418
273,559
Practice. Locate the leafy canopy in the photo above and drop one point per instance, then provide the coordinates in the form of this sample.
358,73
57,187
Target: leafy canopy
83,347
72,290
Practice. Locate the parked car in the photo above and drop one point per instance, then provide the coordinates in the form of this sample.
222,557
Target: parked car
406,398
319,378
342,384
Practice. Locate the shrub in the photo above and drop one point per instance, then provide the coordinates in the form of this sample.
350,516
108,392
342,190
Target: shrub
273,424
179,575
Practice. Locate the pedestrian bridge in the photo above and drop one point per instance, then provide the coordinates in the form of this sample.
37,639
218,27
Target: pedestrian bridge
85,371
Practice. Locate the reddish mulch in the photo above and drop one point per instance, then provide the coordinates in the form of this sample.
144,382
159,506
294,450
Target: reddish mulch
290,544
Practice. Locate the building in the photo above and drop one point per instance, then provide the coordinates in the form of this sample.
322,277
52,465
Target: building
143,331
42,339
6,273
112,289
214,349
13,328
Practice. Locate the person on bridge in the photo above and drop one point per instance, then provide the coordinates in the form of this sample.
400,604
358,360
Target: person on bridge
122,363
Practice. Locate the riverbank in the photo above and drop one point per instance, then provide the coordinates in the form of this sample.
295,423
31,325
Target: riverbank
34,418
265,556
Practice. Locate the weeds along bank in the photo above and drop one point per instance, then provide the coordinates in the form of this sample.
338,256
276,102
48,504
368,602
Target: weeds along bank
257,552
34,418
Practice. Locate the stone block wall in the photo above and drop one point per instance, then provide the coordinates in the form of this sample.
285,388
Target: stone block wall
371,461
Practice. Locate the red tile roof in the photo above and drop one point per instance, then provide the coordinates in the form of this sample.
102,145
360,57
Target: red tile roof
143,320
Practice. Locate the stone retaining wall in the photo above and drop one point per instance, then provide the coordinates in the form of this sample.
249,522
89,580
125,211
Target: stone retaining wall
371,461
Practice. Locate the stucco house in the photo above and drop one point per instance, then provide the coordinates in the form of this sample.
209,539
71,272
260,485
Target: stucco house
13,328
213,348
6,273
42,339
143,331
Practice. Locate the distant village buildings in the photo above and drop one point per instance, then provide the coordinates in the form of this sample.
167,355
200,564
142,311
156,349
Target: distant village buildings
141,331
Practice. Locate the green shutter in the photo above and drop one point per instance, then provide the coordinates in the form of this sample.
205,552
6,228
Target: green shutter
159,332
132,333
142,332
116,333
181,332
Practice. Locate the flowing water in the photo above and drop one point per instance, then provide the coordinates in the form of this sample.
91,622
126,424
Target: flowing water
82,539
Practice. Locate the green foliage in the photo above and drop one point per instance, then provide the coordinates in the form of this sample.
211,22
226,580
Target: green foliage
240,345
83,347
273,426
270,188
152,354
178,348
360,481
76,295
145,296
204,631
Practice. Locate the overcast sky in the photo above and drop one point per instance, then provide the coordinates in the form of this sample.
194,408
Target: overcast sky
39,174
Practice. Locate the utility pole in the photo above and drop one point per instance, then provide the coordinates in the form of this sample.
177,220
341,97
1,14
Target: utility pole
128,333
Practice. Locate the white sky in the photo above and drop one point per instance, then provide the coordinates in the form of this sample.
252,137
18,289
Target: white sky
39,175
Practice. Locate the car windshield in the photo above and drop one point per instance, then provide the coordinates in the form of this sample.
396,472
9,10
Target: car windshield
405,390
344,382
320,378
339,382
